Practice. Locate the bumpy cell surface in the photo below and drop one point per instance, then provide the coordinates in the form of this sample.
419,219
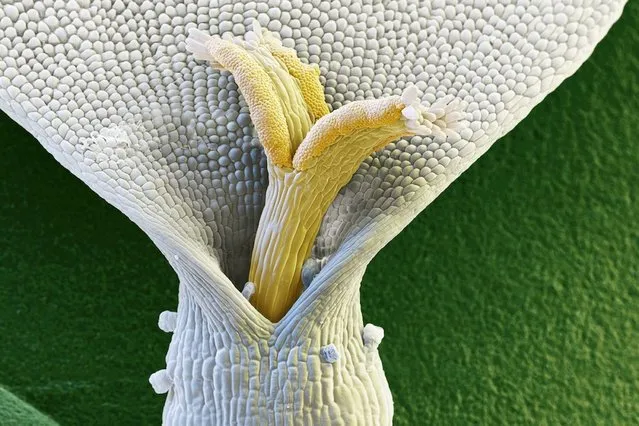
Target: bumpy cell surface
109,89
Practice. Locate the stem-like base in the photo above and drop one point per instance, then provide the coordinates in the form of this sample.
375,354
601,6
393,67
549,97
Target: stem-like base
220,376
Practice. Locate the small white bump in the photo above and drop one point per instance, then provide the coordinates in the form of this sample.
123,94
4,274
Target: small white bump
372,335
167,321
329,353
310,268
248,290
160,381
12,12
409,95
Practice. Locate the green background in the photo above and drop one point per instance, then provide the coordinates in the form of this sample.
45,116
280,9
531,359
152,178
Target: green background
513,299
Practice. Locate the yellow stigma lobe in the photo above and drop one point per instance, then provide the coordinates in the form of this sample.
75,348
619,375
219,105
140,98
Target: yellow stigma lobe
358,116
267,112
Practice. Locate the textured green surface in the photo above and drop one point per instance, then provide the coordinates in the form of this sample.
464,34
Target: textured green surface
15,412
512,300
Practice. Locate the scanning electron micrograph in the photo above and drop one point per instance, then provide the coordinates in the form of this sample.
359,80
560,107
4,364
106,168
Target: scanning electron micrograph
270,150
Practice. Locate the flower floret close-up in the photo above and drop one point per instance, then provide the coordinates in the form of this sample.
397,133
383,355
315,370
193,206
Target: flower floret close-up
270,150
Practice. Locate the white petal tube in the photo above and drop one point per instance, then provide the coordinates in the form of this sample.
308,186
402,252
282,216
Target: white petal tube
301,371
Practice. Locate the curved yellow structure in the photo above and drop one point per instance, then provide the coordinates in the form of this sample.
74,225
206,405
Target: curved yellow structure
312,153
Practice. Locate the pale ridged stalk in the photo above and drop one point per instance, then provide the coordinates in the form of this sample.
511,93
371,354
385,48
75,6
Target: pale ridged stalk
247,371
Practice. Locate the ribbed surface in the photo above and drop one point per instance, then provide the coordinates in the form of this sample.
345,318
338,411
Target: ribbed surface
222,378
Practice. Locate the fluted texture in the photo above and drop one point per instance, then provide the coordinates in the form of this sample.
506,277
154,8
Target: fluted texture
223,373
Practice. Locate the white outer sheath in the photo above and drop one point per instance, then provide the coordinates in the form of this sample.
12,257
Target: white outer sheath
222,375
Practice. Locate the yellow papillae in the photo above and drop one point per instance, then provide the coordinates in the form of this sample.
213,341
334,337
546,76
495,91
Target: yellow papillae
351,118
263,101
308,79
312,154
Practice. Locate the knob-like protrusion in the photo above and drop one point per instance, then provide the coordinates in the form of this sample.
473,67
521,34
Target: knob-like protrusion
372,335
248,290
329,353
160,381
310,268
167,321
